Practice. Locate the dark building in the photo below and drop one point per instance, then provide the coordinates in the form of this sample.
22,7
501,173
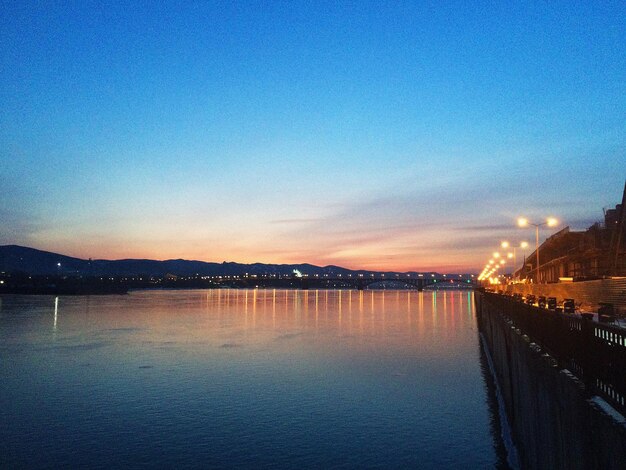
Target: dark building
598,252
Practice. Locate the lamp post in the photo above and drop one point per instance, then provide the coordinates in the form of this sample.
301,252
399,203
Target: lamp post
550,222
513,255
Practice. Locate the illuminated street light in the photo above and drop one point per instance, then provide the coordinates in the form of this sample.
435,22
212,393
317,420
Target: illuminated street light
524,222
514,254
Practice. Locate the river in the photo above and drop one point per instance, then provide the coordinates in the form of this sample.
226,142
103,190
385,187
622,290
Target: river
245,378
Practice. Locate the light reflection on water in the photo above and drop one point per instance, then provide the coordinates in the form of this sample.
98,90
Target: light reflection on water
239,378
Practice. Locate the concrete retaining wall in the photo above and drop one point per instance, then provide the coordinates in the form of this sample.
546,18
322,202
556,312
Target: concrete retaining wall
590,293
554,422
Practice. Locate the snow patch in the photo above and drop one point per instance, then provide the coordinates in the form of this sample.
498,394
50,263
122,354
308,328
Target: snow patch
609,410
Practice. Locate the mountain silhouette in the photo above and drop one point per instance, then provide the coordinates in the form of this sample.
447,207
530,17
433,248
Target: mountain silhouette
15,258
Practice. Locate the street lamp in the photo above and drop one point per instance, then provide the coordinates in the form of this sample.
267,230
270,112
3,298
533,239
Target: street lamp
513,255
524,222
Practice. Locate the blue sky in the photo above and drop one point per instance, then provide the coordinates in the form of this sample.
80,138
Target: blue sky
376,135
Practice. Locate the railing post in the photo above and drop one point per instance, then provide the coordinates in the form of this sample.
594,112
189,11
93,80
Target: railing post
587,349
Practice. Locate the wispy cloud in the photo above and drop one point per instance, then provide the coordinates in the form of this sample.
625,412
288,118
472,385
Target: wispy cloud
293,221
490,228
410,228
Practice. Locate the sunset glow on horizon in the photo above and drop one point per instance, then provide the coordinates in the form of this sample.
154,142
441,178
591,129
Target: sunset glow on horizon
378,136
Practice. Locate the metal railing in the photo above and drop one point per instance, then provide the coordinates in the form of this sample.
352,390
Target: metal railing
594,352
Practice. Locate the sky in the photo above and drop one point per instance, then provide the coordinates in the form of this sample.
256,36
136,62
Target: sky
374,135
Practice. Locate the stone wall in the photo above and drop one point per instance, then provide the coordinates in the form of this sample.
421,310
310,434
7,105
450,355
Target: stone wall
589,293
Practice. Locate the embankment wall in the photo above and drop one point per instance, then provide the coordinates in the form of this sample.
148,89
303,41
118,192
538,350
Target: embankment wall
555,423
589,293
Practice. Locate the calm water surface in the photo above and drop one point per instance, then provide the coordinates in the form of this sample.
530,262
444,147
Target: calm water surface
244,378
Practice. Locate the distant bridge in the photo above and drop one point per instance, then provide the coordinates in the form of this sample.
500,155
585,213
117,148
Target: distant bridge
350,281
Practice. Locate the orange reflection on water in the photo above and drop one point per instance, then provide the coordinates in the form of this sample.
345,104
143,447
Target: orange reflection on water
436,322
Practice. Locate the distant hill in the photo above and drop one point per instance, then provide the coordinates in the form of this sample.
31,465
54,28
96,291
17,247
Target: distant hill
15,258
